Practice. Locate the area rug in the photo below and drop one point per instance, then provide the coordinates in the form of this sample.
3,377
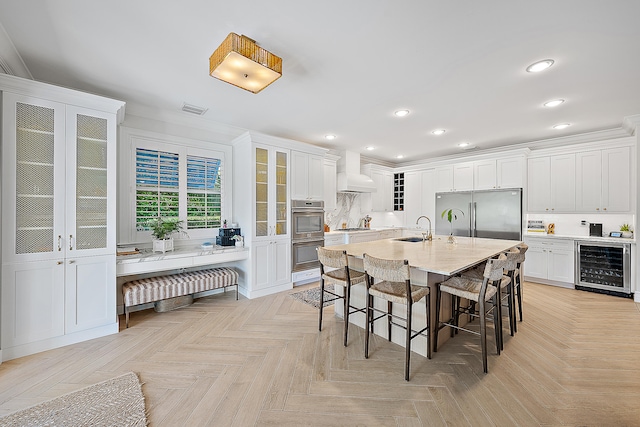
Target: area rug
312,296
115,402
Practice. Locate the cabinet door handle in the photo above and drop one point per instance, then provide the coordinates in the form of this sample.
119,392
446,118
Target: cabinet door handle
604,209
70,242
71,261
59,262
59,243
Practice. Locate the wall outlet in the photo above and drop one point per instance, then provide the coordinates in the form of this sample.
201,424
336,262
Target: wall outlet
583,222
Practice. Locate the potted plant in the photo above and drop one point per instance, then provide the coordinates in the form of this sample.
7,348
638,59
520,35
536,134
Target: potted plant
161,230
451,215
626,230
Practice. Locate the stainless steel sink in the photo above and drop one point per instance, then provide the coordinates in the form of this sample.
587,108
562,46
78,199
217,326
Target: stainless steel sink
410,239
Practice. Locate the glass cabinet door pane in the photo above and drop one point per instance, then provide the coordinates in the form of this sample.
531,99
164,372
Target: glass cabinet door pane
91,182
282,213
34,178
262,192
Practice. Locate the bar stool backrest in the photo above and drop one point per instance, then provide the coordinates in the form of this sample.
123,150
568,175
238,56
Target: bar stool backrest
512,260
494,269
333,259
391,270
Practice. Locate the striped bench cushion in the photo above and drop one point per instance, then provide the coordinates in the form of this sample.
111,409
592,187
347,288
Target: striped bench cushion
152,289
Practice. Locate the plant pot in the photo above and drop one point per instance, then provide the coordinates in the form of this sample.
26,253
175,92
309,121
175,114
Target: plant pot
451,239
239,243
163,245
627,234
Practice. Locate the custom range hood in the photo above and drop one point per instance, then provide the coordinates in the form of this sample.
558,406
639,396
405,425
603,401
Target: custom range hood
349,179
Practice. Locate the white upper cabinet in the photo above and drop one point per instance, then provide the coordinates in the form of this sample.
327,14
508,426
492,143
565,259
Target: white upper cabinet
444,179
484,174
603,181
498,173
307,172
420,197
382,199
329,188
510,172
458,177
552,183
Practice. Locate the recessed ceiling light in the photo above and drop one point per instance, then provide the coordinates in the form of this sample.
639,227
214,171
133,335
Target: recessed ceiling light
438,131
554,103
401,113
399,156
370,148
562,126
540,65
329,137
463,144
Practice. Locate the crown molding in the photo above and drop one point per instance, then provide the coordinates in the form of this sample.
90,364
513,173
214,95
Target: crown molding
631,123
10,60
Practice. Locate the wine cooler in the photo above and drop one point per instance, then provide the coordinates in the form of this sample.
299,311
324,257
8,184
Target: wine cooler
603,267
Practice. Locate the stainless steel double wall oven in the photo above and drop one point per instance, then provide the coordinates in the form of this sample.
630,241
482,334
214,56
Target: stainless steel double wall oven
307,233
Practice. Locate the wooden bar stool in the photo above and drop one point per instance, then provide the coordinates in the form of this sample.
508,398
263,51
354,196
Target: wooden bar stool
517,281
481,293
341,276
394,286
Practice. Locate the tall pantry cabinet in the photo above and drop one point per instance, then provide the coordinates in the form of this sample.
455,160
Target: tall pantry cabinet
58,222
261,185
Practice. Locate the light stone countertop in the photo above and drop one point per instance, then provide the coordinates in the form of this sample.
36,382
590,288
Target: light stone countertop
436,256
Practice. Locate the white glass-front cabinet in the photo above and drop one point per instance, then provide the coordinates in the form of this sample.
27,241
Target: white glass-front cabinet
58,225
271,249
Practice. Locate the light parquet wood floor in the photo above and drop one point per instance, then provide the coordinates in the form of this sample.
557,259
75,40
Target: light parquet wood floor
574,361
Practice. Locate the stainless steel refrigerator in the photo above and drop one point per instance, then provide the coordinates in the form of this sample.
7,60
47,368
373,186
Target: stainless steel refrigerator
494,214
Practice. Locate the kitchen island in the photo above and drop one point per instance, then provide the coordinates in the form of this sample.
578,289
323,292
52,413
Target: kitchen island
431,262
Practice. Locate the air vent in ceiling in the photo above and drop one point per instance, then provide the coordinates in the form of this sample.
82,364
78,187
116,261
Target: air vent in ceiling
193,109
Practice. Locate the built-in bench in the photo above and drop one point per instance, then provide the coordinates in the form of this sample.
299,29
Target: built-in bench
152,289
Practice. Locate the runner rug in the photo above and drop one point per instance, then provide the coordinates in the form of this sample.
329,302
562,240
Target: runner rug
115,402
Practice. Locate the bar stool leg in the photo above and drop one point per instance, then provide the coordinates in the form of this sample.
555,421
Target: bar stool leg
347,297
321,304
407,343
428,325
483,333
369,324
436,327
389,311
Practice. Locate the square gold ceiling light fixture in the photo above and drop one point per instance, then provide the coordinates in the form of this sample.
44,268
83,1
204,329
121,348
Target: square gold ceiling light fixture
241,62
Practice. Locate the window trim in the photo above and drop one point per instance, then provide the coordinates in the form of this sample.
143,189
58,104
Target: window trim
130,140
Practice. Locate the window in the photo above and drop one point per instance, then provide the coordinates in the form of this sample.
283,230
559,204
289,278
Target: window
157,186
204,195
158,189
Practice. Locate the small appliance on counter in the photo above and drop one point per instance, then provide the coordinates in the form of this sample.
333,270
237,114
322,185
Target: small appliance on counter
225,237
595,229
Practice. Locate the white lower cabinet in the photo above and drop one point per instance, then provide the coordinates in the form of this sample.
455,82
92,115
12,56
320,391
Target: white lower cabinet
389,234
333,239
89,292
271,264
32,302
50,299
550,261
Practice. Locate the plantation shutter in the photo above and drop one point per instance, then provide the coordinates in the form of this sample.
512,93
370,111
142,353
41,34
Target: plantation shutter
204,192
157,186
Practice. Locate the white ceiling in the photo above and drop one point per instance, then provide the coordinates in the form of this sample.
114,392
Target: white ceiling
349,64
